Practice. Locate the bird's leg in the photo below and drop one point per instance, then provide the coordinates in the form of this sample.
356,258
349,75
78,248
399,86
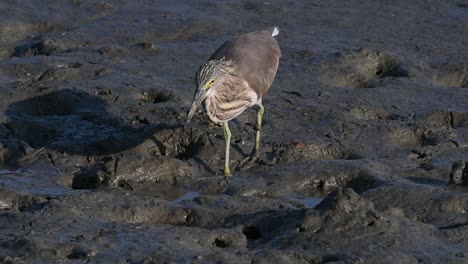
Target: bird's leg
254,154
260,112
227,138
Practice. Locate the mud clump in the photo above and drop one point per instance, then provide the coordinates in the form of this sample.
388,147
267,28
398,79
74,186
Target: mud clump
344,201
450,75
404,136
92,177
22,202
11,152
63,74
45,47
145,47
300,151
459,173
113,51
125,171
365,113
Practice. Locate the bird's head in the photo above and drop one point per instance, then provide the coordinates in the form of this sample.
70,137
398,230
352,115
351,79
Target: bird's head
209,77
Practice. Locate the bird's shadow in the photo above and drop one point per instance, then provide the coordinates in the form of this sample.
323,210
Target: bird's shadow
76,123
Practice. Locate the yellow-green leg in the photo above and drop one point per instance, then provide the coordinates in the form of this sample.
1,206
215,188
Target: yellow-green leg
227,138
254,155
260,112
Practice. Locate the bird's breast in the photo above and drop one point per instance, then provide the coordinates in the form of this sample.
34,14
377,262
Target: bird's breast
221,108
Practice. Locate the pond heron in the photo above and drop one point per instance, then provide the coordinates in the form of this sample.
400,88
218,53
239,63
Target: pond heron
237,76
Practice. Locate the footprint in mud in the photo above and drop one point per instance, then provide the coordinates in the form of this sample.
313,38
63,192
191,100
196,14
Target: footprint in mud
252,232
155,105
182,143
79,253
156,96
361,68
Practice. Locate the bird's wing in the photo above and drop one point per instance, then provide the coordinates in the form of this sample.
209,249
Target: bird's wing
256,58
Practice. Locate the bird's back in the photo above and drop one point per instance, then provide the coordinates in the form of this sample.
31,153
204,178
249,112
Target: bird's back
256,57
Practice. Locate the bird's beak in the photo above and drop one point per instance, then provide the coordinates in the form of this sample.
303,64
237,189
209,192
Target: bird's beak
199,97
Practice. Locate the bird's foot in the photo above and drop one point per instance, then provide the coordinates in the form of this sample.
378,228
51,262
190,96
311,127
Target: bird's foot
213,178
247,162
227,172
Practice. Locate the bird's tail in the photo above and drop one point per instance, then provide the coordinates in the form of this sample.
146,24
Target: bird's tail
275,31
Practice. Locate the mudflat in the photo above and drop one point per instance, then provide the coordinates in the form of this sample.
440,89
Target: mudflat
364,150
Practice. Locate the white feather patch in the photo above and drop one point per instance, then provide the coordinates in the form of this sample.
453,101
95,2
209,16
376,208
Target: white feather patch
275,31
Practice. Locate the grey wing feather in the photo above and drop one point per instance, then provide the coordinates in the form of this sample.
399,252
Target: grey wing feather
256,57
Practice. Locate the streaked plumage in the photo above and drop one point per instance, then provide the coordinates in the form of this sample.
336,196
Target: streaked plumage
237,76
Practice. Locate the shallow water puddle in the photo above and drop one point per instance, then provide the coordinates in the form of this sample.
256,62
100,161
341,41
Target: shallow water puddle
7,172
36,181
307,201
187,197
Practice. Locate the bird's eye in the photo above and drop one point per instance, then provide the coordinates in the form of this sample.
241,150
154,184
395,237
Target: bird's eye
209,84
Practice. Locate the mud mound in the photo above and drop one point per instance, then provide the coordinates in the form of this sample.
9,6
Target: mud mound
13,31
450,75
131,170
73,122
361,68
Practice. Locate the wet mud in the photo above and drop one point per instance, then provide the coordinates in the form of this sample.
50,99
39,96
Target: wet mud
364,155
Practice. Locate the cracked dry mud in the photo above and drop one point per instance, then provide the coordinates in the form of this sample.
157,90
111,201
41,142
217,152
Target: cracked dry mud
364,153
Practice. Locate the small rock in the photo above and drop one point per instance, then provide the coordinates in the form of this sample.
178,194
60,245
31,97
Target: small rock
112,51
101,72
91,177
297,144
146,46
459,173
344,201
